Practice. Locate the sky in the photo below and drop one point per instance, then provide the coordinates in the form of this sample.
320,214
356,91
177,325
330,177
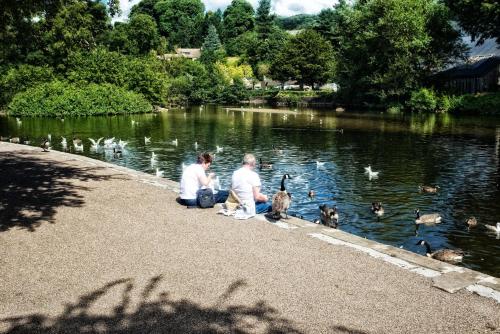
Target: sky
280,7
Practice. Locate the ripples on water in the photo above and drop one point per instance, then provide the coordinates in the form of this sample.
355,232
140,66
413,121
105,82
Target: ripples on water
461,155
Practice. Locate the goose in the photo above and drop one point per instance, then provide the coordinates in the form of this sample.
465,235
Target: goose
377,208
45,145
329,216
219,149
281,200
311,194
15,140
265,164
147,140
195,145
428,189
95,144
429,219
446,255
175,142
370,172
492,228
153,158
159,173
471,222
320,164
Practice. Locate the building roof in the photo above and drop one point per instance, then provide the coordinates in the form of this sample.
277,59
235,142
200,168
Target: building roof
477,68
182,52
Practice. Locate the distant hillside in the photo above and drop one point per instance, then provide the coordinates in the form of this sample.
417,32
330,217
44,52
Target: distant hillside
297,22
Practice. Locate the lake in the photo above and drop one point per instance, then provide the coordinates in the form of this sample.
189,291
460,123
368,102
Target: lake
460,154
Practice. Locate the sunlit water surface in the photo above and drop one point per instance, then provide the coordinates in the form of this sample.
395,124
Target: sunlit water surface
460,154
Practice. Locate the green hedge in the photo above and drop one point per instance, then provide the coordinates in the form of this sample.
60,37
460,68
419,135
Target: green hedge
486,104
58,98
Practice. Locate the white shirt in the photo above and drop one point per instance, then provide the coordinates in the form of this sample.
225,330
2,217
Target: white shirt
243,181
190,181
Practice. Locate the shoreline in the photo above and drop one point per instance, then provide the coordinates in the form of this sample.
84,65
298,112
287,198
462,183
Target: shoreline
300,269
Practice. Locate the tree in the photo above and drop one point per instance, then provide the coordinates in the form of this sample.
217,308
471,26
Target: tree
180,21
214,19
143,33
264,21
238,19
212,50
480,18
387,48
307,58
145,7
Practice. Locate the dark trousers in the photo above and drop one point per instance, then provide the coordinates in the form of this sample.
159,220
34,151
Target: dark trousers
220,197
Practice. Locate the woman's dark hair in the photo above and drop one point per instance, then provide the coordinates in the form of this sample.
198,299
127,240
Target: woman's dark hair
204,158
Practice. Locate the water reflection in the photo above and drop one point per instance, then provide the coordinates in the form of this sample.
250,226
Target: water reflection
461,155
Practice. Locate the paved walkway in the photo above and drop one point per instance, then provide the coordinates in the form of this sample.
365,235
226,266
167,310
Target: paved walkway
86,247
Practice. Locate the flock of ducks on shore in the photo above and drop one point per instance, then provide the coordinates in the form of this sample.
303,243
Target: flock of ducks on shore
282,199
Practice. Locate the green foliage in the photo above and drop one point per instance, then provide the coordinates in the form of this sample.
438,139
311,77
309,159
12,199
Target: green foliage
480,18
212,50
297,22
143,75
212,19
59,98
234,93
423,100
487,104
181,22
290,97
386,48
145,7
18,79
238,19
306,57
264,50
264,21
143,34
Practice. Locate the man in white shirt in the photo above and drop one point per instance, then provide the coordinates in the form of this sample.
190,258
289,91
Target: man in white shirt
246,184
194,178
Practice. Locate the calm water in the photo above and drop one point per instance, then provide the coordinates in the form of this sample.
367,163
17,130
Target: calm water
461,155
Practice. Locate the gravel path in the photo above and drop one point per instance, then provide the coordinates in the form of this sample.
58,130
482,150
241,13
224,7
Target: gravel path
85,247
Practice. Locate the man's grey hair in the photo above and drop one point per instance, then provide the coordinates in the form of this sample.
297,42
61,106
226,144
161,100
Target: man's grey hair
249,159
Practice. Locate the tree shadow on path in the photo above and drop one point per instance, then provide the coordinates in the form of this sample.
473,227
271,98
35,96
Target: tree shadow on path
154,313
32,188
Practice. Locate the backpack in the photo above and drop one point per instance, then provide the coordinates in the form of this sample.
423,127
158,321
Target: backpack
205,198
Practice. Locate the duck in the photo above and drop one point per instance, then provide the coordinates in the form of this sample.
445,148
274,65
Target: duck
428,219
320,164
428,189
2,138
26,142
159,173
219,149
49,137
329,216
377,208
18,120
147,140
471,222
175,142
493,228
153,158
77,141
265,164
281,200
195,145
311,194
15,140
122,144
95,144
445,255
45,145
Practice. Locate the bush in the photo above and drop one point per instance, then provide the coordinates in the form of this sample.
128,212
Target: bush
488,104
143,75
234,94
423,100
58,98
18,79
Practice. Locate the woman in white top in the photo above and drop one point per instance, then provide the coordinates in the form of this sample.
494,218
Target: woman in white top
194,178
246,184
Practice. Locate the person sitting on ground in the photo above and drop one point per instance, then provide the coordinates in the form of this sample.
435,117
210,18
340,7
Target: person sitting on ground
246,185
194,178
